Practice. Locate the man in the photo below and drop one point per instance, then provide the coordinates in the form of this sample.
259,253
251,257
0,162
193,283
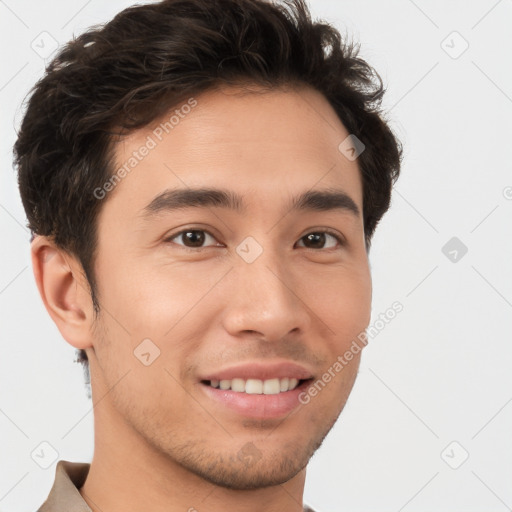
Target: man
203,179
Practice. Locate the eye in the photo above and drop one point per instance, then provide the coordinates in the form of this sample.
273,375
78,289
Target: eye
318,238
193,238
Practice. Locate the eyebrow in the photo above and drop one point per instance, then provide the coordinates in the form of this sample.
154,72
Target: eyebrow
179,199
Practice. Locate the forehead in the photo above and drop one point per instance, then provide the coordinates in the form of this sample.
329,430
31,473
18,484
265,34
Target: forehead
268,144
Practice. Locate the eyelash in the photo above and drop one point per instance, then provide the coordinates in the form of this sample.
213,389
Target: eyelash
334,234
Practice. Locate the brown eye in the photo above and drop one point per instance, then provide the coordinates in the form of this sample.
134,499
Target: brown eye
191,238
317,240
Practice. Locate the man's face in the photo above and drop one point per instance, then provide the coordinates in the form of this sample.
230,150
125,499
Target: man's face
263,293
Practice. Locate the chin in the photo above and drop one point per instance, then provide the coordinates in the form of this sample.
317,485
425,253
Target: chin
241,477
249,468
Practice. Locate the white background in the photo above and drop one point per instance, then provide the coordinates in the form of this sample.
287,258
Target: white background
438,373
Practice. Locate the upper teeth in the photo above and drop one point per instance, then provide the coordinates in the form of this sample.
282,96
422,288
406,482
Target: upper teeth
256,386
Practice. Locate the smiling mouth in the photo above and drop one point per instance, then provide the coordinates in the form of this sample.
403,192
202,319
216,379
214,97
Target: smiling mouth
256,386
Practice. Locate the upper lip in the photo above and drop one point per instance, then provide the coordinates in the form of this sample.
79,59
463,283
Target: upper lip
262,371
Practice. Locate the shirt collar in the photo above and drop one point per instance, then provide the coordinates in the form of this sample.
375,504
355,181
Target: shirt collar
64,495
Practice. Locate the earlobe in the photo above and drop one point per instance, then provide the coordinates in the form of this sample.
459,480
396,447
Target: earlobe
64,291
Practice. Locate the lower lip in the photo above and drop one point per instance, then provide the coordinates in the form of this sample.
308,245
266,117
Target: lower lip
258,405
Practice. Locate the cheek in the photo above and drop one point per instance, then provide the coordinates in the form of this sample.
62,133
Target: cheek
343,304
155,311
150,301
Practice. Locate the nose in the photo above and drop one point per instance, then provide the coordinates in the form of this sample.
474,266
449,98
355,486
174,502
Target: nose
265,299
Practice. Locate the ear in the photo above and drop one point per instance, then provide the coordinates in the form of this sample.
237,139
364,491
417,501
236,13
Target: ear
64,291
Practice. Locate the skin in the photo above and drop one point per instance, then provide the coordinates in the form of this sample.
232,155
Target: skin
160,442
